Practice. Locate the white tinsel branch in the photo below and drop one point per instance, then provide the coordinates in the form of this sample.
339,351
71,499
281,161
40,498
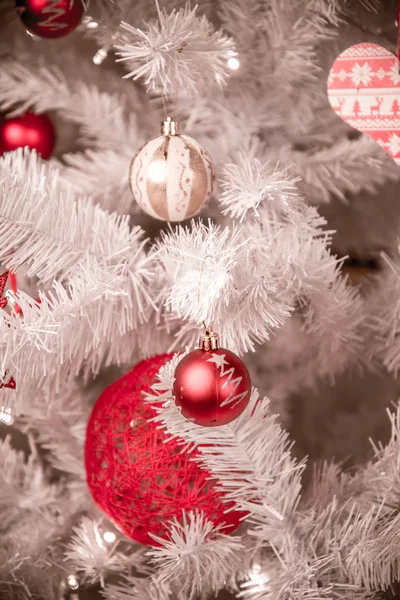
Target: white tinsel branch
96,551
178,52
195,546
247,185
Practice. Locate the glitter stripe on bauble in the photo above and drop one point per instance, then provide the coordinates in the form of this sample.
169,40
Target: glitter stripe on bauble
171,176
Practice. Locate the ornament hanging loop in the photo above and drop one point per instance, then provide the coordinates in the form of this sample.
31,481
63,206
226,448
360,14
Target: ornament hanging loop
208,339
169,127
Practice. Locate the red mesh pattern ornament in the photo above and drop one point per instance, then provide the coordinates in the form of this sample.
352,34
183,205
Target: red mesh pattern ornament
138,478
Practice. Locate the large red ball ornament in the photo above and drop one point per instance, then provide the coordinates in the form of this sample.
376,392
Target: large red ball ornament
139,477
35,131
212,385
50,18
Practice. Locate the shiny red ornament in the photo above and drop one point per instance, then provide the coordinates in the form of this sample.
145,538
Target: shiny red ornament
50,18
139,477
35,131
211,386
10,384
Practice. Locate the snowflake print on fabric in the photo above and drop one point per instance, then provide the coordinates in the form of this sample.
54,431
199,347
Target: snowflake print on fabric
394,144
394,74
361,74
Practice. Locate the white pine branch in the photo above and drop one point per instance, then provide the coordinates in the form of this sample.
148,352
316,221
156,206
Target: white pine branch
197,263
179,51
102,175
25,491
101,115
49,232
346,167
57,420
247,185
195,546
383,309
247,281
67,326
89,552
135,588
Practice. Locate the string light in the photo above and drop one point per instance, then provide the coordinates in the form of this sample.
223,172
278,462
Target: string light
91,24
6,416
256,577
233,63
100,56
109,537
72,582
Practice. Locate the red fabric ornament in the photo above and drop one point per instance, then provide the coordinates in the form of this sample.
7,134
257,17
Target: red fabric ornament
3,303
3,282
136,475
34,131
50,18
212,385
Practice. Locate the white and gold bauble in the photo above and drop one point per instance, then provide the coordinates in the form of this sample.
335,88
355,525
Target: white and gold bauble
171,176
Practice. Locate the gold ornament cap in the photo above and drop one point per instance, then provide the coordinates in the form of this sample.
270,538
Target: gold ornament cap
169,127
209,340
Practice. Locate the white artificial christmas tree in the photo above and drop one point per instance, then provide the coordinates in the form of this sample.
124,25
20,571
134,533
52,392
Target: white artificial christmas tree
102,285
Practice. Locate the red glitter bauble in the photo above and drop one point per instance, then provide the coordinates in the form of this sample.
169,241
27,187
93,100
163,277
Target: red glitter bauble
35,131
212,387
50,18
141,479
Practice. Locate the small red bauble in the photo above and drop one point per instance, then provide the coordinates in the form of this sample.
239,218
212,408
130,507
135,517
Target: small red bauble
35,131
50,18
212,385
138,476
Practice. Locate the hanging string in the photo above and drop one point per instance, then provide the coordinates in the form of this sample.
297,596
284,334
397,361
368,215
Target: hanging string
207,328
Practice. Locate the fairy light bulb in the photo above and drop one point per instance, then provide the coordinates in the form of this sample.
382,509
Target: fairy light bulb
100,56
6,416
109,537
72,582
90,23
256,578
233,63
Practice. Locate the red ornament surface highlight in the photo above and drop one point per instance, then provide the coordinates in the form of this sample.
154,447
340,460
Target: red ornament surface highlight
50,18
136,476
364,90
35,131
212,387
